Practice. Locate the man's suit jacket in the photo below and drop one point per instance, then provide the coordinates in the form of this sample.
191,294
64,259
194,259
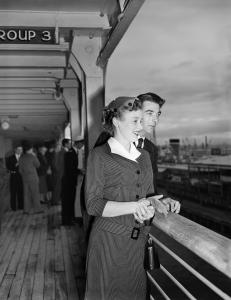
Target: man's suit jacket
153,153
12,163
71,166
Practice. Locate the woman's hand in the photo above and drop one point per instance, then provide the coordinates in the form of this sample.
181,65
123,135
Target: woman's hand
143,210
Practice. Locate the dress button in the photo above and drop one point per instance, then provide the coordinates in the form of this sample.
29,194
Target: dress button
138,172
137,196
138,185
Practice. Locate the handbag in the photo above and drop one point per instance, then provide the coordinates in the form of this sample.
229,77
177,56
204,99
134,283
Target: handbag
151,257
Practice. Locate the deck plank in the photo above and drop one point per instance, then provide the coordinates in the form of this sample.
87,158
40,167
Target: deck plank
16,287
38,288
39,258
60,286
10,246
28,282
17,254
5,287
6,234
49,287
69,270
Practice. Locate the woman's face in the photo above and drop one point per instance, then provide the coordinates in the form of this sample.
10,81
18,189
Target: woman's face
128,125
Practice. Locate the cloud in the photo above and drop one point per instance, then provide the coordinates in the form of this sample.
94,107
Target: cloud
180,50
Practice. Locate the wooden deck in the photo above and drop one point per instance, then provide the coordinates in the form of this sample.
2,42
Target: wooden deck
39,258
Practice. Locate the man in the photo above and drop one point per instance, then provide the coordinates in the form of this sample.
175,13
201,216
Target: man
16,185
70,177
62,180
42,173
151,110
59,169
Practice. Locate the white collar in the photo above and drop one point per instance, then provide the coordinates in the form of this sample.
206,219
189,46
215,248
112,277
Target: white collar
17,156
117,148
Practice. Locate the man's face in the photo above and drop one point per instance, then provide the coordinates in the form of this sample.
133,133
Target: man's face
43,150
68,144
150,112
18,150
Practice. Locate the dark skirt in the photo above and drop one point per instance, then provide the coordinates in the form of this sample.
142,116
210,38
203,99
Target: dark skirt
43,184
50,182
115,267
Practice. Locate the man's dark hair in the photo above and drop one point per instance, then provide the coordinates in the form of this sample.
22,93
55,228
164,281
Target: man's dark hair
27,145
152,98
65,141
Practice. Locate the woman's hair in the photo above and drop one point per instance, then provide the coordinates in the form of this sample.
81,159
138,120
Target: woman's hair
116,108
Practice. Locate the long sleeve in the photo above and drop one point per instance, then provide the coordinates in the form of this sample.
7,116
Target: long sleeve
94,185
151,188
36,162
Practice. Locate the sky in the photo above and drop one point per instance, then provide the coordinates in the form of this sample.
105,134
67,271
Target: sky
181,50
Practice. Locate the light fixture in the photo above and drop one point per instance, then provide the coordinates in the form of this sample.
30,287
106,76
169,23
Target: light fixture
58,94
5,123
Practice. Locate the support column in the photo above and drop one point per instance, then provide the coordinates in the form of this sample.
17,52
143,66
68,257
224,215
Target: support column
85,50
71,98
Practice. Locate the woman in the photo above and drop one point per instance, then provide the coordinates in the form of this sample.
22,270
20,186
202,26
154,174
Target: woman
51,171
28,165
118,179
42,173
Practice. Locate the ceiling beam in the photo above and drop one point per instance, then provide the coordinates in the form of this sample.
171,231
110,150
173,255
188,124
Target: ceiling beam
32,107
34,47
24,91
15,84
124,20
39,113
42,72
26,59
52,19
31,102
45,97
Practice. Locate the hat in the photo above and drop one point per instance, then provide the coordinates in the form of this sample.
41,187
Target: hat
121,101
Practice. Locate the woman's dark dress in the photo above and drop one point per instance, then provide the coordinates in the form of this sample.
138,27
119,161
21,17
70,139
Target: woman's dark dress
115,260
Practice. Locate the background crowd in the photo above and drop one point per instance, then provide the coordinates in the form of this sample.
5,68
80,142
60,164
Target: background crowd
45,173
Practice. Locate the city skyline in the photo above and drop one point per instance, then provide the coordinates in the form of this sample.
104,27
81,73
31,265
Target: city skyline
181,51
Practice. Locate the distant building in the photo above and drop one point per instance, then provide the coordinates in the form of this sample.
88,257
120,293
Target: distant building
175,145
215,151
198,153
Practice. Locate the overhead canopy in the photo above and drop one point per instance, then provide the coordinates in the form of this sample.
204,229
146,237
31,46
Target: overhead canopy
35,45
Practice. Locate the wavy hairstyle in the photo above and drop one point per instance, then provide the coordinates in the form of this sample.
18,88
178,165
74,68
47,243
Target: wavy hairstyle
116,108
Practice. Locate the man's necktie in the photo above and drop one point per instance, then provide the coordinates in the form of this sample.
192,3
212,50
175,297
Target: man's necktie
140,143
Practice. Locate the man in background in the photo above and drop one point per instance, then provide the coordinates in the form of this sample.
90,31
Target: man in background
70,179
62,180
59,169
16,184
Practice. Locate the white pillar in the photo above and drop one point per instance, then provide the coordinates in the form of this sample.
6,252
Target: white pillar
72,101
86,49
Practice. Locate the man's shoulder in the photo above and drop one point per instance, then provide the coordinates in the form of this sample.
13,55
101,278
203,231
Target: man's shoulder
149,145
11,157
100,150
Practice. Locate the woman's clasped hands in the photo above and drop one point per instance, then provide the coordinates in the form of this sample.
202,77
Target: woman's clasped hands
143,210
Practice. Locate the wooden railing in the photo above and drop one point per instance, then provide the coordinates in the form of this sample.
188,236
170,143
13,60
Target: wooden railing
208,245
